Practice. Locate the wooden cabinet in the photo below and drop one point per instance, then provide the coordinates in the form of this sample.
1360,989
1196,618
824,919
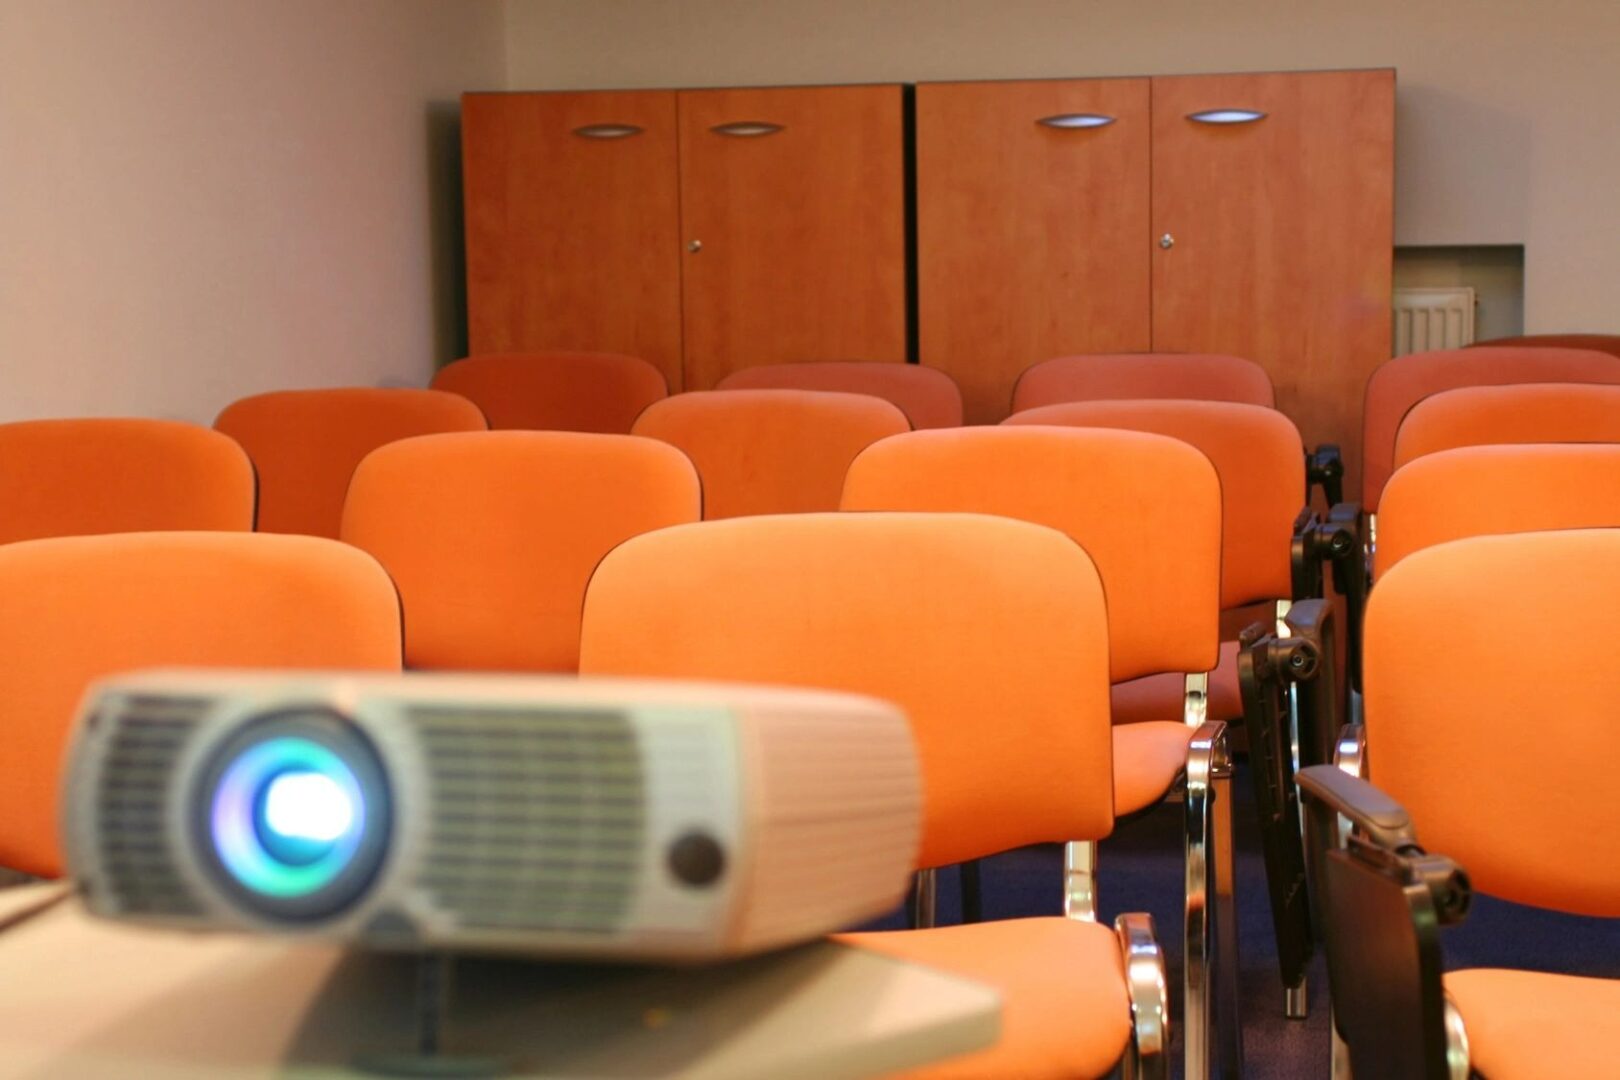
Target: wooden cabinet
797,198
1281,232
1032,209
1248,214
573,224
712,230
705,230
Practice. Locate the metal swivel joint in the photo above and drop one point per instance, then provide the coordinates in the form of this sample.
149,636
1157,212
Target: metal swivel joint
1283,659
1324,468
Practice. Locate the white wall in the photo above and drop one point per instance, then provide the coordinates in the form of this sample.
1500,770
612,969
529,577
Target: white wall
1506,118
201,199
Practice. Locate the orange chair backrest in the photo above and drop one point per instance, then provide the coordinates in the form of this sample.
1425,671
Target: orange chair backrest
1146,508
556,391
1524,413
83,477
1490,686
305,444
491,536
1258,455
929,397
1609,343
76,609
1486,490
1196,376
771,451
1400,383
991,634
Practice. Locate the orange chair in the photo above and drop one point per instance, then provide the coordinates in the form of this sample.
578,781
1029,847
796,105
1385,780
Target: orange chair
1400,383
305,444
1525,413
1258,455
929,397
1522,807
770,451
1196,376
81,477
76,609
1609,343
1487,490
1004,674
1147,509
491,536
556,391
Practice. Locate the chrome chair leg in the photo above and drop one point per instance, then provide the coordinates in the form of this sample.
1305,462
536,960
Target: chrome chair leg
1339,1069
1229,1024
925,891
1080,880
1458,1058
1206,757
1147,1056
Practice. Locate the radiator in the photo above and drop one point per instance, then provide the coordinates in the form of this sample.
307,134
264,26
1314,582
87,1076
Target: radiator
1433,318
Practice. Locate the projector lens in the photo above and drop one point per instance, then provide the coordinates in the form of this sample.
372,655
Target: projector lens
294,814
287,817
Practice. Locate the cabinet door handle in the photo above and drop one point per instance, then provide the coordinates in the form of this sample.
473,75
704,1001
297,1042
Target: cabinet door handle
1226,116
607,131
747,129
1167,241
1074,120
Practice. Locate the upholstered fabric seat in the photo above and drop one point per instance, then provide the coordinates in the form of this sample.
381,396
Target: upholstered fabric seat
556,391
1053,1025
770,451
1159,697
1514,1019
1135,376
929,397
306,444
1148,760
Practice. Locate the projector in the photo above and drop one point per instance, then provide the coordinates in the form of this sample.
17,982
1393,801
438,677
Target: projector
585,818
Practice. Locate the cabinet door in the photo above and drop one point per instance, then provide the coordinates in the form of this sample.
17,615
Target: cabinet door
1281,229
573,223
1032,227
793,211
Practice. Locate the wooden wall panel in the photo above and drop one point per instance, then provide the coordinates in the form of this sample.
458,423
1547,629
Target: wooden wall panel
573,242
1032,239
802,229
1283,232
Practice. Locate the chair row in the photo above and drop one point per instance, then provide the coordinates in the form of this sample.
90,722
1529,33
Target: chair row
1005,674
605,392
471,577
306,444
491,538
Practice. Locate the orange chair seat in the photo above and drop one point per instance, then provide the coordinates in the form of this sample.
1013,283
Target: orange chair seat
1064,1008
1159,697
1529,1025
1148,757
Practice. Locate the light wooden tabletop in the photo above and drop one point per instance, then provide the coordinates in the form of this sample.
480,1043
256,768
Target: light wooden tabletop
90,999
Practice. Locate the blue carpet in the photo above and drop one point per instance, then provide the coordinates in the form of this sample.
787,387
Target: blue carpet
1140,869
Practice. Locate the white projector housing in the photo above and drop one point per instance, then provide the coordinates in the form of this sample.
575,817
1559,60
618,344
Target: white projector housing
591,818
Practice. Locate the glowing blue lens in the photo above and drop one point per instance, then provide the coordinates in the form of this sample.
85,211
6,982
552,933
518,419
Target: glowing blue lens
307,806
287,817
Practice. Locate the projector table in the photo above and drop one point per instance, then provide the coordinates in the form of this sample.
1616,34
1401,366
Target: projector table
85,998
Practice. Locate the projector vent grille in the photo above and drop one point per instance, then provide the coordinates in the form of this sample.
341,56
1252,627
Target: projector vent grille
137,860
538,817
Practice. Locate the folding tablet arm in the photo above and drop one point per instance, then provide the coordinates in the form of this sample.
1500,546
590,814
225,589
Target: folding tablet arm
1282,677
1324,468
1336,542
1384,899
